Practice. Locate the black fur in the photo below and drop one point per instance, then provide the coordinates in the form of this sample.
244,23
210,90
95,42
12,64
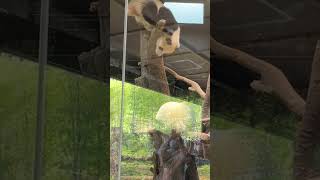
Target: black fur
171,23
152,16
150,13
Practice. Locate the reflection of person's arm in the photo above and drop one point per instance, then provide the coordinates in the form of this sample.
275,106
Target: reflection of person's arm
272,78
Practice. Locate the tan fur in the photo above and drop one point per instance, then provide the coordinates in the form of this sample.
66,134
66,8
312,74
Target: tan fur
135,8
138,4
168,49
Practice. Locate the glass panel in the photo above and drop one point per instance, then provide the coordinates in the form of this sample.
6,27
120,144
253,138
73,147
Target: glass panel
257,126
76,144
77,98
158,104
18,95
116,100
19,37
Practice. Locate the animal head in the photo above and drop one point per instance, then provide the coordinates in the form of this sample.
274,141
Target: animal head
168,43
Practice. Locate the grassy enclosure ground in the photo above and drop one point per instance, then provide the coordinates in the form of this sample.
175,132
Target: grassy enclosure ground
140,169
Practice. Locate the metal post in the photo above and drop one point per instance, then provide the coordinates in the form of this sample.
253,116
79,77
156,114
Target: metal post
43,48
124,57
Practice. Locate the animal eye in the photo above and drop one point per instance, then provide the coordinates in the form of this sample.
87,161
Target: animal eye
168,31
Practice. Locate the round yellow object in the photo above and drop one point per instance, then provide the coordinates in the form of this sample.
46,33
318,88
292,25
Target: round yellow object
175,115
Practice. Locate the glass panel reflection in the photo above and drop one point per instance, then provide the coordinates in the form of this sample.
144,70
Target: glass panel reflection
18,95
166,107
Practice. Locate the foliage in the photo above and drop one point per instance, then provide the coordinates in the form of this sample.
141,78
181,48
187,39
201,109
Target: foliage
17,117
265,127
140,108
76,123
142,168
254,109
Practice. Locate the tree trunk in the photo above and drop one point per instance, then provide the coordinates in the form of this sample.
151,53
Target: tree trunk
309,131
153,74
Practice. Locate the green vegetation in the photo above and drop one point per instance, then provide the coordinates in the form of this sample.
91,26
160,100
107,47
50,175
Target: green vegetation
77,123
135,168
141,106
258,130
76,126
254,109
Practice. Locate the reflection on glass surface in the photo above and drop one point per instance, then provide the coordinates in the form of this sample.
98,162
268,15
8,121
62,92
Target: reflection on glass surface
163,116
147,110
76,145
75,141
18,95
76,128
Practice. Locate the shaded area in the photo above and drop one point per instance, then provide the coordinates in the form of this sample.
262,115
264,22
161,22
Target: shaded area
76,129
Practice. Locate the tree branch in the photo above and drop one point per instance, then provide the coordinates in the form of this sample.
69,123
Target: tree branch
194,85
272,79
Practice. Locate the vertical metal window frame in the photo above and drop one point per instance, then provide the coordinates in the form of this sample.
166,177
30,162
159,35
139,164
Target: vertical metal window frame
41,99
124,57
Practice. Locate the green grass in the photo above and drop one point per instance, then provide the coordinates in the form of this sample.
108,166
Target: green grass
136,168
142,168
75,106
204,170
140,108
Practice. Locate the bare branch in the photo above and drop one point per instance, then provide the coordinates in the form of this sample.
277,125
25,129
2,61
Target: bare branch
272,79
194,86
206,105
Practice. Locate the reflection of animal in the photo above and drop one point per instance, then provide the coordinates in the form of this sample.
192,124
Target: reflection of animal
150,12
